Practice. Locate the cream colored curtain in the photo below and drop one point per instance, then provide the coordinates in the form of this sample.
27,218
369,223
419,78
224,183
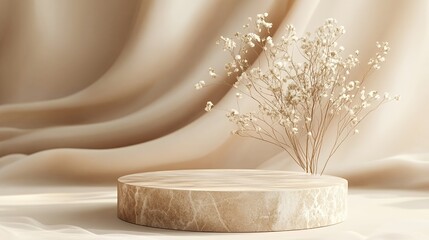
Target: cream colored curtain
94,89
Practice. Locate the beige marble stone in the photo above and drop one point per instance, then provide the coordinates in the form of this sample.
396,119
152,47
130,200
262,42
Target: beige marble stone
231,200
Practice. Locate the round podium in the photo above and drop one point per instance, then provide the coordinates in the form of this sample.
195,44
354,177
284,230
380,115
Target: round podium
232,200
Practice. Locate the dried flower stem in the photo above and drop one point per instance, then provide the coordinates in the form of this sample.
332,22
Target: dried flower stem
304,89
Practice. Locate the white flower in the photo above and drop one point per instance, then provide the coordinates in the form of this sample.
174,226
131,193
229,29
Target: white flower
238,95
270,41
209,106
260,22
232,113
386,95
356,131
372,94
278,64
294,130
212,73
362,95
253,36
237,57
365,104
228,44
378,44
199,85
350,86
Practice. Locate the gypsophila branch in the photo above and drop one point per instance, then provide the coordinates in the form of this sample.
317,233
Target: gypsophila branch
304,90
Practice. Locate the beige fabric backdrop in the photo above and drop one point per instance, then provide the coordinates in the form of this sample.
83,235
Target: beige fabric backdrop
94,89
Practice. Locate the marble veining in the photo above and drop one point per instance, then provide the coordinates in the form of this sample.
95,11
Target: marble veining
231,200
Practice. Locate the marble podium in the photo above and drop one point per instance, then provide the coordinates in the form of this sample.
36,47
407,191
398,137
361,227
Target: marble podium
222,200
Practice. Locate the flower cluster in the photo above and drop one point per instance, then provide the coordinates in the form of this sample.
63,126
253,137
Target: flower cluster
305,89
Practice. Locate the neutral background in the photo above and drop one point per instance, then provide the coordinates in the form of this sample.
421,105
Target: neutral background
92,90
